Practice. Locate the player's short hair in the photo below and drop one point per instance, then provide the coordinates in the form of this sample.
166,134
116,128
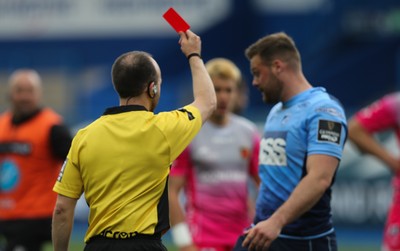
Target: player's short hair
275,46
223,68
132,72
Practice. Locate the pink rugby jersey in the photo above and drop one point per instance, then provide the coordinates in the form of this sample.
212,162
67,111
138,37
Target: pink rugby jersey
382,115
217,166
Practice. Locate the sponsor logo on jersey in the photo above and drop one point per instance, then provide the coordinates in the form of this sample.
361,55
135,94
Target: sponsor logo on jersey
245,152
218,176
329,131
330,110
117,234
21,148
9,175
273,149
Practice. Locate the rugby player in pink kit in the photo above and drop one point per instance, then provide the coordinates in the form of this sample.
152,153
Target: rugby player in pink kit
382,115
214,172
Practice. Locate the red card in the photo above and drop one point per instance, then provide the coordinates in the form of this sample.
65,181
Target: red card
175,20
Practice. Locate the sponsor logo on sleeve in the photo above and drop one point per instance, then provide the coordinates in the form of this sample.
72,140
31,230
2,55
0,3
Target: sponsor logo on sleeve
329,131
190,115
60,175
330,110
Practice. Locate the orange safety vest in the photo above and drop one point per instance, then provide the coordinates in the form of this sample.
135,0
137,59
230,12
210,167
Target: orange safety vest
28,169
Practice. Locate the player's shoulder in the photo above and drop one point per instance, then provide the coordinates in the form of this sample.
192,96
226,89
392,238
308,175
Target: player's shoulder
50,115
276,108
393,98
6,115
392,95
243,122
325,103
321,95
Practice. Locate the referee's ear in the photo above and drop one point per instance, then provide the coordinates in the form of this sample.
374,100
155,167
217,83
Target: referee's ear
152,89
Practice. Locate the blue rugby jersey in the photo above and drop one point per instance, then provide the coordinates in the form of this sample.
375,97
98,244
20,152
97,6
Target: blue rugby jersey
312,122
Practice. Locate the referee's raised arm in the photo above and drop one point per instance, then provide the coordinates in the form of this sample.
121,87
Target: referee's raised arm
203,89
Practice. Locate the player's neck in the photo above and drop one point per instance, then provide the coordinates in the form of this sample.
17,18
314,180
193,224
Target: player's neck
298,84
219,120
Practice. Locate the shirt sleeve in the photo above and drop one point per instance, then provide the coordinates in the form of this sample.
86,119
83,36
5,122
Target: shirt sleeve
327,130
381,115
180,127
253,165
69,182
182,164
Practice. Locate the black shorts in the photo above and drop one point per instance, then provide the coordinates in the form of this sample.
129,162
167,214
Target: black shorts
325,243
137,243
27,234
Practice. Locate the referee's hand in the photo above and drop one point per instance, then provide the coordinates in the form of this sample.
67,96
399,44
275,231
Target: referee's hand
190,43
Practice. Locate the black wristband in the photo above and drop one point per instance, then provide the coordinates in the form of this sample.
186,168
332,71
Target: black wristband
193,55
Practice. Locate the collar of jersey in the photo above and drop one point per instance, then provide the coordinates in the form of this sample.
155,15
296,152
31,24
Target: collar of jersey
124,108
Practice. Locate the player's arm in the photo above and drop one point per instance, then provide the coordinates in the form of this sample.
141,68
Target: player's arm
320,172
180,231
175,183
256,180
251,199
203,89
253,173
253,165
63,218
366,143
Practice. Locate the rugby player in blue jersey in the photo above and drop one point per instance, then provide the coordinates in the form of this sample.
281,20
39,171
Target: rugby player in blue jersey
300,151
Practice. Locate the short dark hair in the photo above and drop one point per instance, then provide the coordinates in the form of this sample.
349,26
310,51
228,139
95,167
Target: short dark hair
277,45
132,72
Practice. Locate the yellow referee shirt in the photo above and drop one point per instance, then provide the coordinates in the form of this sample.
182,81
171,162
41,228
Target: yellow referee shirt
121,162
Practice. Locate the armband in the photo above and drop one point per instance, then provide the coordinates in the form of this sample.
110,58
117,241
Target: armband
181,235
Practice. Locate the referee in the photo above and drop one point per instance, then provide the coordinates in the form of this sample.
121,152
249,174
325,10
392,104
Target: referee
121,161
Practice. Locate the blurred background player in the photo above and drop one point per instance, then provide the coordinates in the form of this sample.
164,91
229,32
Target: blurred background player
382,115
214,172
33,145
302,145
